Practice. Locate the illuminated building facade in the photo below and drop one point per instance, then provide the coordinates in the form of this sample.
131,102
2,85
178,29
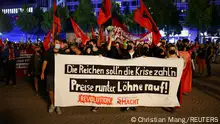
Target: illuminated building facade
132,4
12,9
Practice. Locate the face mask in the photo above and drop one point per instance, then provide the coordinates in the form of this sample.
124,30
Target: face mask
57,46
187,48
129,47
185,45
162,56
62,46
38,51
171,52
89,47
146,48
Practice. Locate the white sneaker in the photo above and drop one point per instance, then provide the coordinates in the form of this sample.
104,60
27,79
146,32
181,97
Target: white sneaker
52,108
58,110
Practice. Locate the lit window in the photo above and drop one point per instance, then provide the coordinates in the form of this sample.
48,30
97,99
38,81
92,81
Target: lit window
99,5
16,10
134,3
31,9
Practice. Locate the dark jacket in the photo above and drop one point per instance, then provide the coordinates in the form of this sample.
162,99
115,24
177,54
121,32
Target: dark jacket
35,65
5,54
128,56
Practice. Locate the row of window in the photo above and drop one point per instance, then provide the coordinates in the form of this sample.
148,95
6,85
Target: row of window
125,3
16,10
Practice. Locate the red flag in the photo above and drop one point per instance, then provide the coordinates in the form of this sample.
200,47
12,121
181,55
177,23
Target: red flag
56,20
47,41
144,22
54,6
101,37
143,17
79,33
93,34
116,23
155,30
105,12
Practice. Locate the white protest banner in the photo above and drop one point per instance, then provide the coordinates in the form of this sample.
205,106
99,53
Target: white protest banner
104,82
23,60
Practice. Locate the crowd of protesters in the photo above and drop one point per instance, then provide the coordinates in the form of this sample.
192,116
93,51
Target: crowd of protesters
42,62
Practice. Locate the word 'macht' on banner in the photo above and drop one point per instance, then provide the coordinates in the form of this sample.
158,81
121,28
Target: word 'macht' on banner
104,82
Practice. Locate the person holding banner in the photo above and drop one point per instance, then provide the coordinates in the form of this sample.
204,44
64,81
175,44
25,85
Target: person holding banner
160,51
173,54
75,50
130,54
48,70
146,50
113,49
92,49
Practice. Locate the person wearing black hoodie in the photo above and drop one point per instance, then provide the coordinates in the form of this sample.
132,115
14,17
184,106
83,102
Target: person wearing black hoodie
129,54
35,66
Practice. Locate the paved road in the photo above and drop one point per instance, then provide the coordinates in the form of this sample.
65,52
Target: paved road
20,106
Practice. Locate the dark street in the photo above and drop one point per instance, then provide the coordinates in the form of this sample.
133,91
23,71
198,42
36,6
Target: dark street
20,106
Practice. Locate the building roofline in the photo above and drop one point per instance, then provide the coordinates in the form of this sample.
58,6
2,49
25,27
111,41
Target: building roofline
17,6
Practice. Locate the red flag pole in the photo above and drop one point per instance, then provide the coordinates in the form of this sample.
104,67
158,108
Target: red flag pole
100,36
53,24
